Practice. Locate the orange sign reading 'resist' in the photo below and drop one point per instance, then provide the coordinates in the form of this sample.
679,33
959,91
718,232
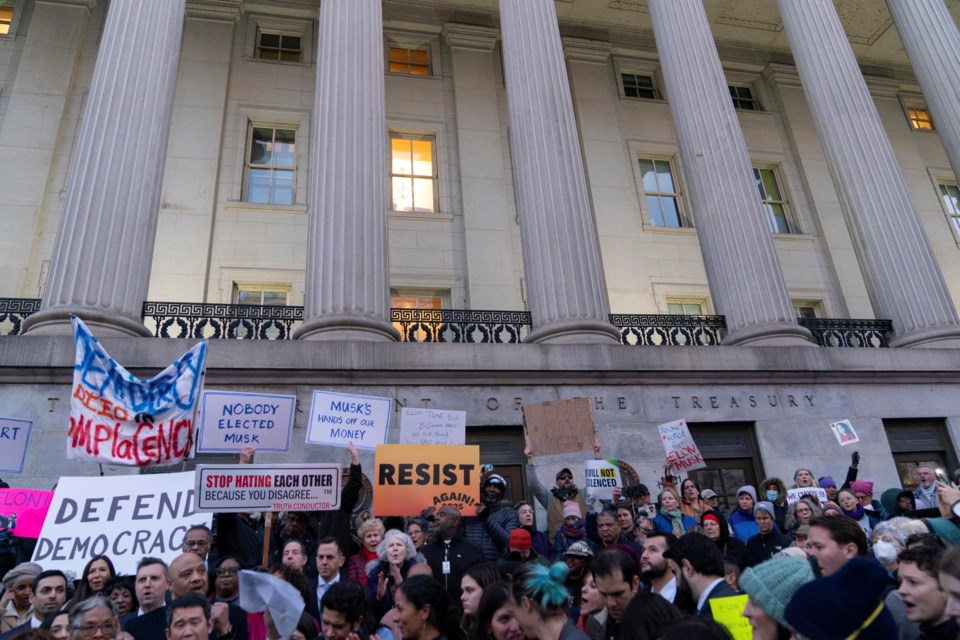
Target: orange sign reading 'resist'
409,478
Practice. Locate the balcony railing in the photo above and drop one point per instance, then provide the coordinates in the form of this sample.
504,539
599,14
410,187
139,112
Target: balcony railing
270,322
833,332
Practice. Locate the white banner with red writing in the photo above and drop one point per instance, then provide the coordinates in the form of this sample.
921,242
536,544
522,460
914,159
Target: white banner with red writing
682,452
116,418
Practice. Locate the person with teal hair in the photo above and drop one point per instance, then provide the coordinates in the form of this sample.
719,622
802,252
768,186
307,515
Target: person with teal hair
540,599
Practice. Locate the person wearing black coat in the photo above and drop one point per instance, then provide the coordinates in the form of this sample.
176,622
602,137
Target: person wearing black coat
715,527
769,540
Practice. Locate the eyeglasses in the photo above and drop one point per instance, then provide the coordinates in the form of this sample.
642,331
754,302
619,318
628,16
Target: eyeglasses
564,477
227,571
91,629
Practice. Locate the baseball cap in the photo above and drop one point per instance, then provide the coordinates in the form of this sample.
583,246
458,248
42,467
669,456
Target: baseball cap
706,494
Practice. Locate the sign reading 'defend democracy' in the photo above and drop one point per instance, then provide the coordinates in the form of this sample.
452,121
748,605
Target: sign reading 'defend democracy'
268,487
232,421
124,517
119,419
682,452
14,438
340,418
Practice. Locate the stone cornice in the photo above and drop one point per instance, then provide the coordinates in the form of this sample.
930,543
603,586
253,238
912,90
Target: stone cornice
216,10
582,50
466,36
80,4
784,75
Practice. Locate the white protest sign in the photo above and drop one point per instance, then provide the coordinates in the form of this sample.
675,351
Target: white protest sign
14,439
124,517
794,495
232,421
432,426
340,418
602,477
844,432
268,487
682,452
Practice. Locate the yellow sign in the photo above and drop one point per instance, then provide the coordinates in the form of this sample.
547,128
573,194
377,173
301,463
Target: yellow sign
729,613
409,478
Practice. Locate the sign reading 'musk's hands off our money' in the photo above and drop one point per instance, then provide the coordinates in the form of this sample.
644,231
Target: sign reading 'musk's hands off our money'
268,487
338,419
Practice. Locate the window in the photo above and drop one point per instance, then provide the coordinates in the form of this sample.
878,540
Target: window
774,205
411,330
271,165
279,45
806,310
743,98
413,180
639,86
951,203
260,296
414,62
660,192
919,118
685,307
6,19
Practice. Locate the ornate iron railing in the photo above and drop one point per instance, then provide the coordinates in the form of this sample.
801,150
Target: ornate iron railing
461,325
837,332
12,313
231,321
667,330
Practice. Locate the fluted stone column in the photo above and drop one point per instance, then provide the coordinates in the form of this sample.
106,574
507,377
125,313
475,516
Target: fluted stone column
347,293
104,248
903,279
932,41
561,255
746,281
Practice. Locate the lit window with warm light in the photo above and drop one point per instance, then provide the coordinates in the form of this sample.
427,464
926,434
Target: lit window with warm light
414,62
6,19
920,119
413,178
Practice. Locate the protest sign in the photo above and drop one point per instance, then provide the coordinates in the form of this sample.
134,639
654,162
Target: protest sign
22,511
410,477
340,418
794,495
268,487
728,612
601,478
432,426
682,452
14,439
844,432
126,518
559,426
116,418
232,421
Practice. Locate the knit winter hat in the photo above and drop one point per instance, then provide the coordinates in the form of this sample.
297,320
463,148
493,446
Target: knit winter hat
519,539
862,486
832,506
571,508
748,489
827,481
848,602
771,584
764,506
23,570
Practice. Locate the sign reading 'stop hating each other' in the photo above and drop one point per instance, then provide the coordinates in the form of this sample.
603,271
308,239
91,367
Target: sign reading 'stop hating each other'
559,426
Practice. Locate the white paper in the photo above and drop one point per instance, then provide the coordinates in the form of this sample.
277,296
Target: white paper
432,426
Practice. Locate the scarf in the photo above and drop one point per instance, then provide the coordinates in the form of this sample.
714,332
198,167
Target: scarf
857,514
676,520
929,495
565,494
575,530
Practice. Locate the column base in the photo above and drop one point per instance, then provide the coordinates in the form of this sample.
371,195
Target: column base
942,337
574,332
779,334
347,328
56,322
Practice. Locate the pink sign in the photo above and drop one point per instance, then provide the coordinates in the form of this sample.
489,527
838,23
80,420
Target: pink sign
23,511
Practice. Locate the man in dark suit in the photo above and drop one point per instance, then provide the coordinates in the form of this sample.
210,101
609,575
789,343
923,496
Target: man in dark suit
330,559
618,580
698,565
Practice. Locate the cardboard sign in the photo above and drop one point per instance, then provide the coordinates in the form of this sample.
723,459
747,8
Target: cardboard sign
126,518
844,433
341,418
410,478
728,612
116,418
14,440
602,476
268,487
23,511
232,421
682,452
432,426
794,495
559,426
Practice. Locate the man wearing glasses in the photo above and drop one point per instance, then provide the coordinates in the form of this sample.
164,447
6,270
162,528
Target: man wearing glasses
565,490
197,540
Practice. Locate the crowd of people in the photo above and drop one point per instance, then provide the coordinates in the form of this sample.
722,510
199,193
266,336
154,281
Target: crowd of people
631,568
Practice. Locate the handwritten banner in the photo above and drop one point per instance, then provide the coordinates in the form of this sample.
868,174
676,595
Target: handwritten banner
273,487
340,418
119,419
432,426
682,452
602,476
124,517
232,421
794,495
22,511
410,478
728,612
559,426
844,433
14,440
